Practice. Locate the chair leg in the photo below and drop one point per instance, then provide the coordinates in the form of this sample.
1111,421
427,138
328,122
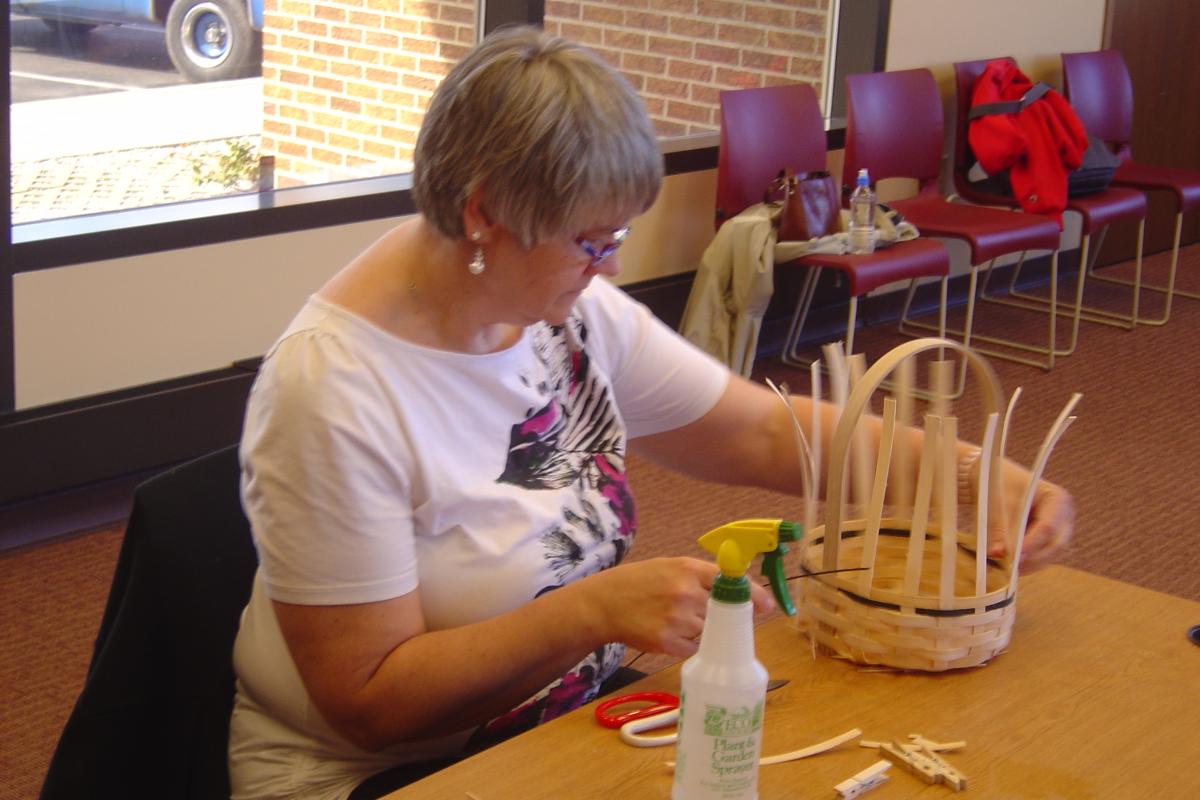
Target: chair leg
944,284
1049,351
1012,281
791,345
851,320
910,327
1052,304
1169,290
1087,263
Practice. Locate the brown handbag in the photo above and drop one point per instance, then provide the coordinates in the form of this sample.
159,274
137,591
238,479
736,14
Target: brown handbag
810,204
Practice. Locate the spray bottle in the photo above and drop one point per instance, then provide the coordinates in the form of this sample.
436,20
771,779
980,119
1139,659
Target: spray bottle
724,687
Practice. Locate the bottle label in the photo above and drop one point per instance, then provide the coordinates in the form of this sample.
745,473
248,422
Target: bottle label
725,762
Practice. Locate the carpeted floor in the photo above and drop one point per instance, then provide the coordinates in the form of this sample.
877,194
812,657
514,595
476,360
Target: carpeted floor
1130,460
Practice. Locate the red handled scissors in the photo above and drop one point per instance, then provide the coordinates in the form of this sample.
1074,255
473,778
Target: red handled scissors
651,710
652,703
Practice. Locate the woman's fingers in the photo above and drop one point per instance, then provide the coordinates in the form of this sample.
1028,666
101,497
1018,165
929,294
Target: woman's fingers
659,604
1048,530
1051,525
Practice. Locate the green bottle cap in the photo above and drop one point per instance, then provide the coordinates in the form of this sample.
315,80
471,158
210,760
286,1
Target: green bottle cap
732,590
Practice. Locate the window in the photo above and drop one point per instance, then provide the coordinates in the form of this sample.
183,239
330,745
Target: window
336,91
321,133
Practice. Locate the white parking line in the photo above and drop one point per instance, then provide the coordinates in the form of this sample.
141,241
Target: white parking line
75,81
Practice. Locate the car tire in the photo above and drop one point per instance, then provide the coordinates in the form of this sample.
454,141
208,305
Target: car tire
211,40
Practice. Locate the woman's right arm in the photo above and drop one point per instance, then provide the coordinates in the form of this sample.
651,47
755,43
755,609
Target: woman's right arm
379,677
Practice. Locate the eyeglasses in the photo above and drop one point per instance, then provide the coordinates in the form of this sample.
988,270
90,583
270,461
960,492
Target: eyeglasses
600,251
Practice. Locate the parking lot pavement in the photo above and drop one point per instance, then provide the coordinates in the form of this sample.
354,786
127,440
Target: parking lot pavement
104,152
68,186
102,123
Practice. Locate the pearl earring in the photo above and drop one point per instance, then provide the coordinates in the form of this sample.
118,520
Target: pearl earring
476,266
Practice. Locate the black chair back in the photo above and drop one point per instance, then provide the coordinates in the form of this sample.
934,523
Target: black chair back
153,717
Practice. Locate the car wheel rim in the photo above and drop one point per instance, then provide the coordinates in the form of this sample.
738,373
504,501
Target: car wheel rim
205,36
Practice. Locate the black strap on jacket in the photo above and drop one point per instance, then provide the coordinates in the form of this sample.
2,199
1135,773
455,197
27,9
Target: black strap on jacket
1010,106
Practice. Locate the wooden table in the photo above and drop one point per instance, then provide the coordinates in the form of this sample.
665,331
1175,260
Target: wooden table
1098,696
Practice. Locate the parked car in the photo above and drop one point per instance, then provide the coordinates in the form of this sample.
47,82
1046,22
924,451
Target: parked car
207,40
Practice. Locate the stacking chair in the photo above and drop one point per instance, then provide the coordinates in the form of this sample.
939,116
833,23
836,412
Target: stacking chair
153,718
894,128
764,130
1098,86
1096,212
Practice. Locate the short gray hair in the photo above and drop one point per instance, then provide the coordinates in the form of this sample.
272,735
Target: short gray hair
555,137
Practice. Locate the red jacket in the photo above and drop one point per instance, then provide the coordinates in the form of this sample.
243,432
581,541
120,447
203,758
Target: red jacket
1038,145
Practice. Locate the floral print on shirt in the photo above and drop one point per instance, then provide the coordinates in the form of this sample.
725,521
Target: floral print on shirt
574,440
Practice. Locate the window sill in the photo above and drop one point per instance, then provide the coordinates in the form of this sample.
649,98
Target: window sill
119,234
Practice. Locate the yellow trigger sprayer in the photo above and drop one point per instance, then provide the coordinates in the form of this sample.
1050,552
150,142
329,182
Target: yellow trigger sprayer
736,543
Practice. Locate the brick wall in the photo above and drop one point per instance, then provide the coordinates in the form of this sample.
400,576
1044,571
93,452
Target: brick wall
680,53
346,82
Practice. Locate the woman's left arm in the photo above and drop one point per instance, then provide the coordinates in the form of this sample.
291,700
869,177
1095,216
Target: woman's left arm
746,438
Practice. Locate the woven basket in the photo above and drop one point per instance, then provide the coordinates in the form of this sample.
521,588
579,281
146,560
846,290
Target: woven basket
885,625
921,600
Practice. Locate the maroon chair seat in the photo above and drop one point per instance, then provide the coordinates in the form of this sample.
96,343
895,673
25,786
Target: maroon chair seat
1183,183
988,232
764,130
1096,211
919,258
1114,204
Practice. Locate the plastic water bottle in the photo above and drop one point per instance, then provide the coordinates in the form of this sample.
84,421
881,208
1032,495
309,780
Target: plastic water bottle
862,215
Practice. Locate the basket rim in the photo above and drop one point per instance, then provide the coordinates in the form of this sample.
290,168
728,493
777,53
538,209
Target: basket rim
928,605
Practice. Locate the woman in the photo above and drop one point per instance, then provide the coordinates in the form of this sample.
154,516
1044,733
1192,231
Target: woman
434,450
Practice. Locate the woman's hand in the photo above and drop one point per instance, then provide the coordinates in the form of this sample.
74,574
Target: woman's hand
1050,526
658,605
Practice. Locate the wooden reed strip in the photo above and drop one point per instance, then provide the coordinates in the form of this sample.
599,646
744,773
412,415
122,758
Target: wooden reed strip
948,482
902,494
814,373
941,380
982,501
860,445
920,521
808,468
996,490
874,512
1039,465
835,357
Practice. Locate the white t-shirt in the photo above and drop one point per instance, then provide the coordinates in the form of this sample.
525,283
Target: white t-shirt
372,465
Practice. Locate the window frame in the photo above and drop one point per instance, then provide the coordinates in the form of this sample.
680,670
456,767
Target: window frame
53,243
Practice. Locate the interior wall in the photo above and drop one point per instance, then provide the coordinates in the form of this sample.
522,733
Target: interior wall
104,326
936,33
107,325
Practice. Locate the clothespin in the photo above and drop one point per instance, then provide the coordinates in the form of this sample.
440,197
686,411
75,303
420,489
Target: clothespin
935,747
863,781
920,757
946,773
912,760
